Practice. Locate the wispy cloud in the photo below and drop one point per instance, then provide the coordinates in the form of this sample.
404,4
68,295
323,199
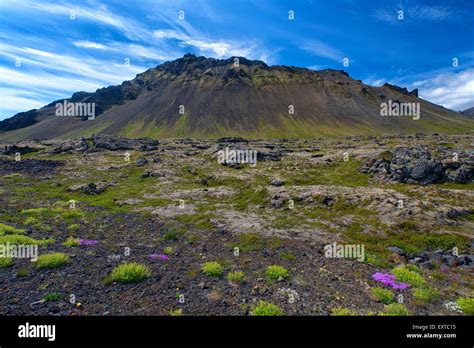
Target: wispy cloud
45,76
210,47
373,81
130,50
414,13
89,44
431,13
88,68
320,49
189,37
99,14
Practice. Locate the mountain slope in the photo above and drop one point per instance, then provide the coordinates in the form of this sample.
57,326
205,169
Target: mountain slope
222,99
468,112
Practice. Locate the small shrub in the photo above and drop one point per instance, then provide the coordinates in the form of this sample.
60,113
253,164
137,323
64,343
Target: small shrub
383,295
30,220
23,240
51,297
170,235
72,214
249,242
35,211
395,309
275,243
176,312
342,312
266,309
52,260
130,273
426,294
168,251
466,304
414,268
61,204
212,269
5,229
288,256
73,227
71,242
236,276
275,272
5,262
405,275
23,272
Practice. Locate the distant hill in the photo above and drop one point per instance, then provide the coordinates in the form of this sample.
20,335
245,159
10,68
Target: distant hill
250,99
468,112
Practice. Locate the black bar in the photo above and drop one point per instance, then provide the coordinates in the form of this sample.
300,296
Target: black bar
291,331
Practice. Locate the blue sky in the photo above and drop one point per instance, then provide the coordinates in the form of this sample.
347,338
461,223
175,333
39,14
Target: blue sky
50,49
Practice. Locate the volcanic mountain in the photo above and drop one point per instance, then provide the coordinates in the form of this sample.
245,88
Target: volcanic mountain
205,98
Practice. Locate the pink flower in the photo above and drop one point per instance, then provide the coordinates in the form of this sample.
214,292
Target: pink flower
159,257
88,242
390,280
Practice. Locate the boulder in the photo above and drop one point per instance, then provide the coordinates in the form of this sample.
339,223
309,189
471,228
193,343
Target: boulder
416,165
141,162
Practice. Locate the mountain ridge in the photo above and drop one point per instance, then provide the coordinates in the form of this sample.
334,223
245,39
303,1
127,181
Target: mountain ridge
206,97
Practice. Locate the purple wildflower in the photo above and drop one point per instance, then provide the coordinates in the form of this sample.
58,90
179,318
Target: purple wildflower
159,257
401,286
390,280
88,242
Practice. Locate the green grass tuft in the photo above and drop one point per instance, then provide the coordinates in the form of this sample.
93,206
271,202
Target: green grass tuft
212,269
71,242
466,304
266,309
52,260
176,312
405,275
249,242
51,297
275,272
337,312
426,294
130,273
5,229
383,295
237,276
395,309
6,262
23,240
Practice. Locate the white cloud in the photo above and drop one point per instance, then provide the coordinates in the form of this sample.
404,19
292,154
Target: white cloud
89,44
414,13
130,50
452,90
374,81
213,48
101,14
41,82
320,49
12,100
89,69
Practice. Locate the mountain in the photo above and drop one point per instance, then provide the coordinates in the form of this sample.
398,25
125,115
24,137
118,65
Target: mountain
468,112
250,99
